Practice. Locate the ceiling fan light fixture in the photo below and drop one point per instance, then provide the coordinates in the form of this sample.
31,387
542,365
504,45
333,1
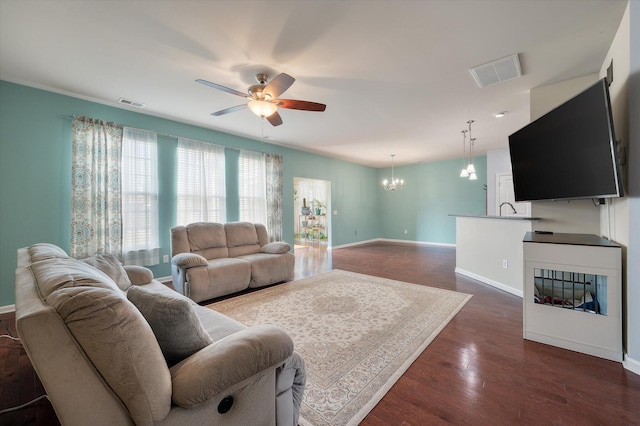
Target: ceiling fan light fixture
262,108
263,98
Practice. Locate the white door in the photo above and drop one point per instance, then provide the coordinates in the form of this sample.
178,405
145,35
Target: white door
506,200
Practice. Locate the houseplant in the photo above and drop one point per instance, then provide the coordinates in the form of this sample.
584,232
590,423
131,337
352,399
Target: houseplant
319,205
305,210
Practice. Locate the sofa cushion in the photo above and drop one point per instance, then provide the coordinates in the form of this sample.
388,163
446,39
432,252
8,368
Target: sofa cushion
263,235
277,247
44,251
270,268
173,321
203,235
242,238
55,273
207,239
217,325
219,278
112,267
120,344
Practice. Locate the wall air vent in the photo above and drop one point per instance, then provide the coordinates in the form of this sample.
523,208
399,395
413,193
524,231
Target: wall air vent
497,71
130,103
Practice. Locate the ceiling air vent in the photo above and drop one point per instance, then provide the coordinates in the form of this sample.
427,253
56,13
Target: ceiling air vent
130,103
497,71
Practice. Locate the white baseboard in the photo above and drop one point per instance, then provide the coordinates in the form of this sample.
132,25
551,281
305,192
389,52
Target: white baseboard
631,364
358,243
418,243
490,282
8,308
388,240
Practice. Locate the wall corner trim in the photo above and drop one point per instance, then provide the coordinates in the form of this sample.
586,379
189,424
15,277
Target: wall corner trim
631,364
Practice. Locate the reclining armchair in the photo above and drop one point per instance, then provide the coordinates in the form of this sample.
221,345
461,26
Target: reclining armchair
113,346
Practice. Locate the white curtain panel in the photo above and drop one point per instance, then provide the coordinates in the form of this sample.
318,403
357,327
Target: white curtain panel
96,218
252,187
140,240
201,186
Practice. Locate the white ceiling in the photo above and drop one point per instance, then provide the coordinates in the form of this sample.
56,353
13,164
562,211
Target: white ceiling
394,74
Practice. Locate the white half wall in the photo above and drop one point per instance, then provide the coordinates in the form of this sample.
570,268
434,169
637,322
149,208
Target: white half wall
484,244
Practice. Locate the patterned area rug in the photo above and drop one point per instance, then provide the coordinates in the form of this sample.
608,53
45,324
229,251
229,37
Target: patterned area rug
356,333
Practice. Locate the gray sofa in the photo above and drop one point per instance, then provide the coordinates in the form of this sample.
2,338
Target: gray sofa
210,260
113,346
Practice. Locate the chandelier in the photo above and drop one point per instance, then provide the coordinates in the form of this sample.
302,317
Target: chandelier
468,170
394,183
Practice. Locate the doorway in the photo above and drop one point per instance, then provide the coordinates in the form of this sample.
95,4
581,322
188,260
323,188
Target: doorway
312,204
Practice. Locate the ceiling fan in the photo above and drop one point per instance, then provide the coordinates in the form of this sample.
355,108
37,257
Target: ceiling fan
263,98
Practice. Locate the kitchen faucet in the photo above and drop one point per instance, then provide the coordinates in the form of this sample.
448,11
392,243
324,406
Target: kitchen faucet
511,205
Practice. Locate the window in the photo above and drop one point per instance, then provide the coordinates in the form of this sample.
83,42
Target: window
201,182
252,187
140,241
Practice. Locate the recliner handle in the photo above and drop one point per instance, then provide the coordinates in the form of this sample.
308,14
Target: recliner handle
225,405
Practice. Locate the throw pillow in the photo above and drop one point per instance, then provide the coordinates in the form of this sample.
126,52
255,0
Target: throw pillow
111,266
277,247
174,322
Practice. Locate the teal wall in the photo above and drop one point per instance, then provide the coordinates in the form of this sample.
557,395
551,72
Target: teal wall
35,181
431,192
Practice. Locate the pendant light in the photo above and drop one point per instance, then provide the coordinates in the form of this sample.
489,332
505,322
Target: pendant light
468,170
471,169
464,173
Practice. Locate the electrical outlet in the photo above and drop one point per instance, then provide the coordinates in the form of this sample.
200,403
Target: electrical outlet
165,258
505,263
405,232
335,212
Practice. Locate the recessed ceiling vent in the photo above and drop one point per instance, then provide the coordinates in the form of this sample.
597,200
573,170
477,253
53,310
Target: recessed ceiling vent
497,71
131,103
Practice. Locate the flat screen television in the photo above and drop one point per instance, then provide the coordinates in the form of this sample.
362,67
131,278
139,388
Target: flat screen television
568,153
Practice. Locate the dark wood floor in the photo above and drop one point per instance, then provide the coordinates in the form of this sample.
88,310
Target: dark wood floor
477,371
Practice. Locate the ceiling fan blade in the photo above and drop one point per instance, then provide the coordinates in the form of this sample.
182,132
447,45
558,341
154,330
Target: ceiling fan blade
229,110
223,88
278,85
302,105
275,119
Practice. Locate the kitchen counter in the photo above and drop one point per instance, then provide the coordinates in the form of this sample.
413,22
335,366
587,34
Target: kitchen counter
484,216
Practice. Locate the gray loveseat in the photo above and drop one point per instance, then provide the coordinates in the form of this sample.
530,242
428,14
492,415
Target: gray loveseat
210,260
113,346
